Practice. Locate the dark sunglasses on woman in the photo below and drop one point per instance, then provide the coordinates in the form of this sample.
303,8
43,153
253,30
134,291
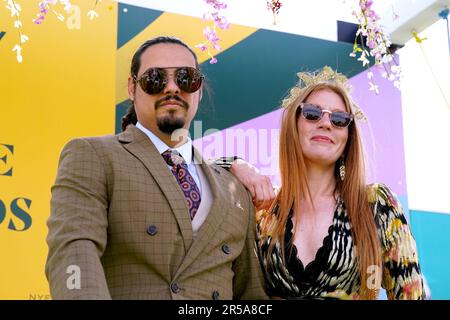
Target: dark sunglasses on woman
154,80
339,119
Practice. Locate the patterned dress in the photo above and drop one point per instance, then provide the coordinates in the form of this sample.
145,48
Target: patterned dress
334,271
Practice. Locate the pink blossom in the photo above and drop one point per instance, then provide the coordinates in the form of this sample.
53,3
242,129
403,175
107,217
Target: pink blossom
210,33
202,46
377,42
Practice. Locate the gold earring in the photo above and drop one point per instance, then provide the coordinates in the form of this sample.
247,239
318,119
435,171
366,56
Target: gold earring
342,170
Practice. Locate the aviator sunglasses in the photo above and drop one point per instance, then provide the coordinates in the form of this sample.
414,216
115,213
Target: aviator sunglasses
154,80
339,119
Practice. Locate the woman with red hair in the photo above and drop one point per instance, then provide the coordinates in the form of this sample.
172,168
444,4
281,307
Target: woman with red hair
328,234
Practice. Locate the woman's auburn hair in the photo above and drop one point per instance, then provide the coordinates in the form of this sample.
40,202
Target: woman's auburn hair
352,190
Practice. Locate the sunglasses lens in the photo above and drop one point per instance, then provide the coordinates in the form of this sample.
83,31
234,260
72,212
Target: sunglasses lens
153,81
314,113
311,112
340,119
189,79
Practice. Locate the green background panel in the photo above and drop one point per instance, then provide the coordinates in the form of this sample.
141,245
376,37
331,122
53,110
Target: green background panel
133,21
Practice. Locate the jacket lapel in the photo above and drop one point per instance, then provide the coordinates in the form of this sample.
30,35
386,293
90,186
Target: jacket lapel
139,145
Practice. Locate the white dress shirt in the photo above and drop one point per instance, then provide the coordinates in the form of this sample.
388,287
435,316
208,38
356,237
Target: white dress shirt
185,150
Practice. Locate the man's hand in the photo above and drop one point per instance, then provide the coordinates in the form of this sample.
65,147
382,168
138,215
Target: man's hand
259,185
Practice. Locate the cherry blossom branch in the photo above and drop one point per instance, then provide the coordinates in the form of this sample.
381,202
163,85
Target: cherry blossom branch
15,9
47,5
211,34
377,45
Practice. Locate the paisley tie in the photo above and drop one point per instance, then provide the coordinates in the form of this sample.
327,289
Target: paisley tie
188,186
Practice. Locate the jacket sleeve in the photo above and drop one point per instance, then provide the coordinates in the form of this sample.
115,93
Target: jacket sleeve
78,225
248,282
402,277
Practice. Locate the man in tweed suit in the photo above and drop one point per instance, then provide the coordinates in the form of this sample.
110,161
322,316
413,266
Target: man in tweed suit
120,225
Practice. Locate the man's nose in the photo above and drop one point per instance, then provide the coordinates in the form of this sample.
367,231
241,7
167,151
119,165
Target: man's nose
171,86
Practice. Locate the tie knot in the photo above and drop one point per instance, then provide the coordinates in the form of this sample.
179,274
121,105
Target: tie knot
172,157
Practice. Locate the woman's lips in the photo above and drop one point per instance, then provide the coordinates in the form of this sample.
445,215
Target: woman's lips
322,139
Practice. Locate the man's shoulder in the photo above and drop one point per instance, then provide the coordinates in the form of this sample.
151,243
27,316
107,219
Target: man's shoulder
229,182
102,139
224,173
96,142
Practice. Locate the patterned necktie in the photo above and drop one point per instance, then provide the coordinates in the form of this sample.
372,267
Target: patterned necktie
188,186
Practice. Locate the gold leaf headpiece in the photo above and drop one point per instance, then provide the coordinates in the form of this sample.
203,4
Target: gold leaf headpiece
326,75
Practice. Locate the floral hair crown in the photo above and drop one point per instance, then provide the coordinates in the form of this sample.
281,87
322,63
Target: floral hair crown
326,75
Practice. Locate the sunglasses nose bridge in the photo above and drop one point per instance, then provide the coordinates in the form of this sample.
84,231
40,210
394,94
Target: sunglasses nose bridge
170,79
322,117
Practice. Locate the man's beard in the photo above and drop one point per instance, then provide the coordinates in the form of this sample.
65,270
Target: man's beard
170,122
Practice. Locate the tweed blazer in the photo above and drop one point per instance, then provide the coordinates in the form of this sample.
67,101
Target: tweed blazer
119,228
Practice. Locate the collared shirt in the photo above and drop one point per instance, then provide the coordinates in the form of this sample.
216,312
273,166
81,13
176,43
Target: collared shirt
185,150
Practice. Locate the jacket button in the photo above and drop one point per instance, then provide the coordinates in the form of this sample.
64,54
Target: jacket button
174,287
152,230
215,295
226,249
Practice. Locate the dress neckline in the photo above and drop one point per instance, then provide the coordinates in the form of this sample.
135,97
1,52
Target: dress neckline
313,265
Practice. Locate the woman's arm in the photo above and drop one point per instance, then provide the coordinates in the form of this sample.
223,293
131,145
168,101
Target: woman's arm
259,185
402,277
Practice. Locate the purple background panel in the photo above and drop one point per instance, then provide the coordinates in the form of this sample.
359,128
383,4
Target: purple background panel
257,140
383,133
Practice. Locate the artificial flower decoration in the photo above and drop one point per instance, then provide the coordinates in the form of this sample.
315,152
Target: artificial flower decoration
210,33
370,41
15,10
395,15
376,45
92,14
274,6
48,5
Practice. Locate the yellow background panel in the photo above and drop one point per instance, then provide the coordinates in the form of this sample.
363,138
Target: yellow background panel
64,88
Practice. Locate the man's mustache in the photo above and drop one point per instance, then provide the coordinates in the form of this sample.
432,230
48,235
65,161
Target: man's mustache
174,98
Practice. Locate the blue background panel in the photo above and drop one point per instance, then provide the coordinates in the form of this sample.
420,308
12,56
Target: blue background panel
432,233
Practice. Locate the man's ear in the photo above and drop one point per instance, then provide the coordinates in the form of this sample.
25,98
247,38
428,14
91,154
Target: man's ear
131,88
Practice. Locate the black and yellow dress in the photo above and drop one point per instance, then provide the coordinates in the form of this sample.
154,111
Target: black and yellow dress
334,271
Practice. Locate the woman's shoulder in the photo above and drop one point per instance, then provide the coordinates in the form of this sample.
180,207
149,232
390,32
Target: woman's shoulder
380,194
386,206
388,212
